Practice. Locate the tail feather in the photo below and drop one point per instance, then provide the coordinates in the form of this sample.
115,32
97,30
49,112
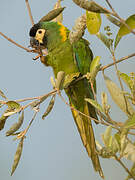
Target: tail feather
87,135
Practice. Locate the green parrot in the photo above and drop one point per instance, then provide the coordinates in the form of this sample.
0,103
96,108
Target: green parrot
72,59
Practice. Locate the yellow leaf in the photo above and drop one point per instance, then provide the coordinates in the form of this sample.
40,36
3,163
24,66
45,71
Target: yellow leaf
93,22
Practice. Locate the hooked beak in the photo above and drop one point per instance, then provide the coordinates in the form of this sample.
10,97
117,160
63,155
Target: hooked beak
34,43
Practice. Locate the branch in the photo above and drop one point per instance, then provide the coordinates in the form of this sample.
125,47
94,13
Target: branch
29,11
20,46
121,20
118,61
122,164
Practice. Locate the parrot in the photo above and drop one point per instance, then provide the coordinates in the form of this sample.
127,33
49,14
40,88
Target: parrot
71,59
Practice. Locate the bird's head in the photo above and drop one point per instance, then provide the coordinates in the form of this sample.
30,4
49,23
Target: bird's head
47,35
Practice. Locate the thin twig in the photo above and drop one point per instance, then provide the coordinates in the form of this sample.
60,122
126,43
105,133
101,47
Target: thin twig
122,164
121,85
29,11
20,46
116,15
118,61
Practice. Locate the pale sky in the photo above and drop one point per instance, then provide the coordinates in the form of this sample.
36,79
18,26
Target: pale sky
53,148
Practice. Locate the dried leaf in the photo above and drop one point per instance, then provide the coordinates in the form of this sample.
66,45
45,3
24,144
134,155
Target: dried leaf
60,17
118,97
17,156
2,95
107,42
106,152
60,80
52,14
16,126
113,20
35,103
50,107
129,152
104,100
90,6
70,78
95,104
78,29
2,121
130,122
93,22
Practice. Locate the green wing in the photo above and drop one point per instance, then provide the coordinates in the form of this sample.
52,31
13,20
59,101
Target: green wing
77,93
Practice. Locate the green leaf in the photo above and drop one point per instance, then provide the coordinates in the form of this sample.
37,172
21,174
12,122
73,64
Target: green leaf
95,104
16,126
126,79
53,82
93,22
118,97
94,63
130,122
17,156
107,42
13,107
130,22
117,40
107,135
124,30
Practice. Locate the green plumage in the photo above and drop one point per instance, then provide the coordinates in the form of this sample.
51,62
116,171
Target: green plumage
62,56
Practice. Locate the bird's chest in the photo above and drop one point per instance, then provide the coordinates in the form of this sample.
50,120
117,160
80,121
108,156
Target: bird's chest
62,59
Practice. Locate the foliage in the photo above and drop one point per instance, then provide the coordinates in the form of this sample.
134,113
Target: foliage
116,144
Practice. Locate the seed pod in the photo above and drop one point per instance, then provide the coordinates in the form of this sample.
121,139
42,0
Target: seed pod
17,156
50,107
16,126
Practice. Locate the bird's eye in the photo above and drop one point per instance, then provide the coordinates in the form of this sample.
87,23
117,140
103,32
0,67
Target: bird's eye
40,32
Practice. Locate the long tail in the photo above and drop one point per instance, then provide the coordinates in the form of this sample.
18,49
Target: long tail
87,135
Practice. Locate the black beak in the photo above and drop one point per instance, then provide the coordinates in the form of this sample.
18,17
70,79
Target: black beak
34,43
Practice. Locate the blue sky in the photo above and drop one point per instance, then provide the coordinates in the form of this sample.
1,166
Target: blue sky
53,148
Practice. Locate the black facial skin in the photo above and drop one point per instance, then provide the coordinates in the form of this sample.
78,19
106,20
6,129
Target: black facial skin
33,42
33,30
